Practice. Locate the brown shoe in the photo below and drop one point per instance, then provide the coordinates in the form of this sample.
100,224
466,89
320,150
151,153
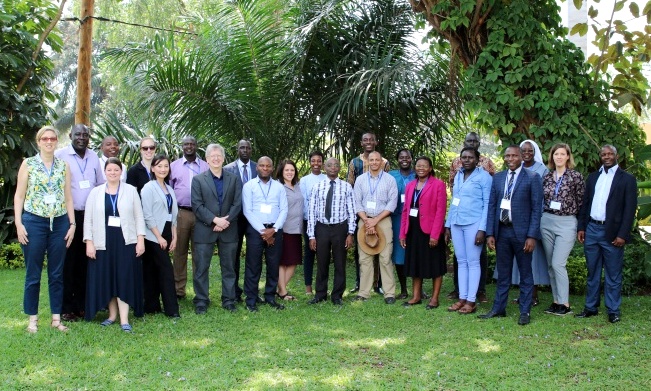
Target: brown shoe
468,308
456,306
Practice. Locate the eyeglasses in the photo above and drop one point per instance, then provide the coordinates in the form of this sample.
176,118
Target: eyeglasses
49,139
148,148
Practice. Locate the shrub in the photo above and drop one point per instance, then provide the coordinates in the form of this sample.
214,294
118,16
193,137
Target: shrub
11,256
577,273
636,274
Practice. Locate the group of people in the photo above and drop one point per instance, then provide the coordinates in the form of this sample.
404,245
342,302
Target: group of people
132,219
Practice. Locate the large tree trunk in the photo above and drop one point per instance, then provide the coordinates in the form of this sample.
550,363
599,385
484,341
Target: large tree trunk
82,113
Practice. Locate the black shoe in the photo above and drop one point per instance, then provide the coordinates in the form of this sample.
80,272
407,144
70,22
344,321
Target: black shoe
613,318
379,290
230,307
431,306
252,308
408,304
492,314
552,308
359,298
338,302
174,316
562,310
238,299
317,300
390,300
274,304
200,310
525,319
258,300
355,289
586,314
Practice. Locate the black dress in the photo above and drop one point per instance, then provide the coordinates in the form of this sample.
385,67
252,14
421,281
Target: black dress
116,272
421,260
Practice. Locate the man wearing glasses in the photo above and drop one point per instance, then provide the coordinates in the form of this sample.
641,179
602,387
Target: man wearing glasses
86,173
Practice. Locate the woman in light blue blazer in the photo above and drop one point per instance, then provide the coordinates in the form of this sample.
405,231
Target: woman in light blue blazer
160,209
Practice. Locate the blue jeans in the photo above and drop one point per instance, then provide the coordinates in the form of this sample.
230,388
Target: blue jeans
600,253
42,240
468,255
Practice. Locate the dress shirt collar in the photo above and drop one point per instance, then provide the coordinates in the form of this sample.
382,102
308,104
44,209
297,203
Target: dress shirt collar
612,170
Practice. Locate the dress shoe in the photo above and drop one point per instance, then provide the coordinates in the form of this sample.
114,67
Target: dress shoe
408,304
274,304
379,290
258,300
230,307
492,314
586,314
317,300
432,306
390,300
481,297
454,295
525,319
200,310
402,296
613,318
338,302
355,289
551,309
252,308
359,298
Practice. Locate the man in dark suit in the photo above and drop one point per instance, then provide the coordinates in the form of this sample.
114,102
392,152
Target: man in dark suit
513,227
604,226
246,169
216,202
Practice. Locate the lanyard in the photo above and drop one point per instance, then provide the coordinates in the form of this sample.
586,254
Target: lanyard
558,184
268,190
114,201
168,197
372,189
47,172
83,171
189,166
405,180
417,192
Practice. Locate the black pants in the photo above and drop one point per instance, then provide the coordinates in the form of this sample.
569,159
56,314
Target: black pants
255,248
75,268
330,239
158,277
242,224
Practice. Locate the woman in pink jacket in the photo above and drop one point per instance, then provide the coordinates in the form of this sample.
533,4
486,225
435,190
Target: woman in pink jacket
421,232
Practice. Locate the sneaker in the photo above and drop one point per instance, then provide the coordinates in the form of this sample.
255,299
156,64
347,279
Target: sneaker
551,309
561,310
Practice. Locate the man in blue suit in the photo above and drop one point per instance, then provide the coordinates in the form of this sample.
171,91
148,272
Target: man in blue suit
513,226
604,226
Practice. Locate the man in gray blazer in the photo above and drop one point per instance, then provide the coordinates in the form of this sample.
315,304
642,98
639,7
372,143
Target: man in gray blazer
246,169
217,203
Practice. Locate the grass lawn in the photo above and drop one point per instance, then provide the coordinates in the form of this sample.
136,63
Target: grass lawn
366,346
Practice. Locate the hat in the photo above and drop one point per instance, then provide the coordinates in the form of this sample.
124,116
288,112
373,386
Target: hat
370,244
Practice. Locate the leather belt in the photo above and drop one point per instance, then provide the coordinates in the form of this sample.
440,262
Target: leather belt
186,208
597,221
333,224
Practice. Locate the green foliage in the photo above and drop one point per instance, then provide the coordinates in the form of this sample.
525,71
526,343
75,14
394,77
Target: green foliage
22,112
637,266
11,256
577,273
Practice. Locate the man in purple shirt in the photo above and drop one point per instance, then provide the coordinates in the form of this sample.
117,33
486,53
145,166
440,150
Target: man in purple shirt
181,173
86,173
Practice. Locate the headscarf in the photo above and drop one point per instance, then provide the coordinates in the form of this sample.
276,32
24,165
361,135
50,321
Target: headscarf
537,156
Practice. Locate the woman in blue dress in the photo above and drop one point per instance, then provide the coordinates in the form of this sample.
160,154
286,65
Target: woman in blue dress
403,175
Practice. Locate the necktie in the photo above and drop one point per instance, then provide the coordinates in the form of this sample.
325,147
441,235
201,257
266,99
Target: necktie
245,175
328,208
507,196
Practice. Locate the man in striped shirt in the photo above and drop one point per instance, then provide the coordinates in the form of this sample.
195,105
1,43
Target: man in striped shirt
331,223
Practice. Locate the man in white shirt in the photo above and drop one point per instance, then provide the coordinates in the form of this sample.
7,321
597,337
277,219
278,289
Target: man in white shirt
111,148
307,184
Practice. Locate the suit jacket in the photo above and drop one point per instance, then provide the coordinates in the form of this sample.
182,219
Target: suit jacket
526,205
431,207
253,169
154,208
205,205
620,207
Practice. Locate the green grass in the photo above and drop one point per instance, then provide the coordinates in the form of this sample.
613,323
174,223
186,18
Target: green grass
370,346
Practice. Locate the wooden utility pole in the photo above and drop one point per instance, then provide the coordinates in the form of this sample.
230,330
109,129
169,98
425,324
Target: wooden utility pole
84,71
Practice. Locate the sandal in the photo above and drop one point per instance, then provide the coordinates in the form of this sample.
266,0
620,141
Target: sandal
56,324
107,322
468,308
32,327
286,297
126,327
456,306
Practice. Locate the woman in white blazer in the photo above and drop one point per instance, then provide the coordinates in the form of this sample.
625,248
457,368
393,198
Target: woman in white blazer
160,210
114,233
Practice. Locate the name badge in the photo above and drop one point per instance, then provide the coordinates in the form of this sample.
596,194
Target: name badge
84,184
169,217
402,198
413,212
114,221
456,201
555,205
265,208
371,204
50,199
505,204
